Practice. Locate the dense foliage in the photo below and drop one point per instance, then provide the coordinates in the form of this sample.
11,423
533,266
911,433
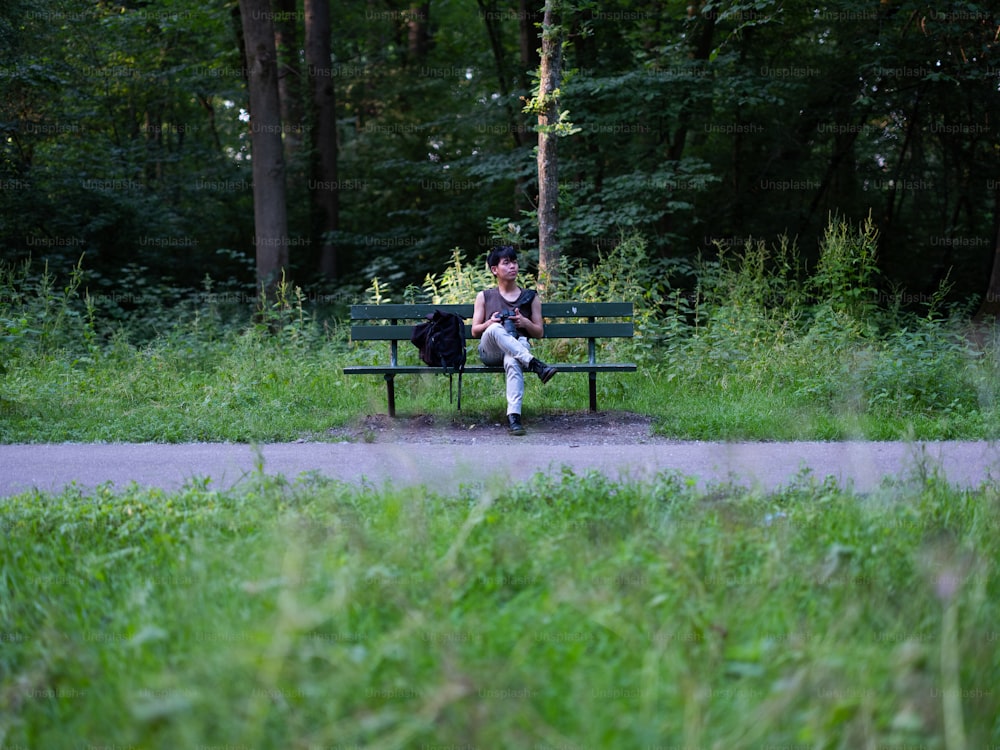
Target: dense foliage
124,135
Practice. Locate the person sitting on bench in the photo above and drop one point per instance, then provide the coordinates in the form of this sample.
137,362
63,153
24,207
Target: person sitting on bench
505,318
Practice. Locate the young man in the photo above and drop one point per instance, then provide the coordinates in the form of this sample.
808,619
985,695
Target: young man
505,317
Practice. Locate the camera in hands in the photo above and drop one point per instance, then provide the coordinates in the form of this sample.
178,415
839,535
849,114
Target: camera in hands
507,318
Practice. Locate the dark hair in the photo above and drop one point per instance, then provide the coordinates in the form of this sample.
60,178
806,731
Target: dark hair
499,253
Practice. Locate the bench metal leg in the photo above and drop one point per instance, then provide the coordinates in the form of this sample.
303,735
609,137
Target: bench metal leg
390,391
592,377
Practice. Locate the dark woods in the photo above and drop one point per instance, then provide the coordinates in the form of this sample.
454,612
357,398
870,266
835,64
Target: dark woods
397,129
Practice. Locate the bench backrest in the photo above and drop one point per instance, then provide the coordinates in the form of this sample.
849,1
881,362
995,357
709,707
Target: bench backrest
569,320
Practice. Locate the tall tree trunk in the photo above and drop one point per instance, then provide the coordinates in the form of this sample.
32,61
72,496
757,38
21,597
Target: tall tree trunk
324,188
286,40
269,209
550,77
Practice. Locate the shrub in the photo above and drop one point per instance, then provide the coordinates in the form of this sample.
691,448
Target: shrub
847,269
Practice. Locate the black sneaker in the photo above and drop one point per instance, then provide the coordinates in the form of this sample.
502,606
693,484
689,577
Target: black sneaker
544,371
514,425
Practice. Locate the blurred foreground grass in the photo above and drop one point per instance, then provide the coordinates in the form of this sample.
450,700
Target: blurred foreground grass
569,611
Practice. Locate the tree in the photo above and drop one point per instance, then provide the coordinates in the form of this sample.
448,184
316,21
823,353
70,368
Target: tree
546,106
269,209
989,308
418,25
286,41
493,20
323,121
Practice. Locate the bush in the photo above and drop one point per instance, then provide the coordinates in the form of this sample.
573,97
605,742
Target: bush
761,323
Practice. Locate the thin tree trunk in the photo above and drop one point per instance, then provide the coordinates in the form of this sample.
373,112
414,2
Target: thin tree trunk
323,186
527,18
701,49
286,40
550,76
913,120
492,18
419,37
989,309
269,209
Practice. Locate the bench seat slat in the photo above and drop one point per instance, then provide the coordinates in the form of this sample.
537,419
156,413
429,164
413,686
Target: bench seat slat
473,369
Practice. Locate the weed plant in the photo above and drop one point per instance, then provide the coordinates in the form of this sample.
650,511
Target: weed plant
738,346
570,611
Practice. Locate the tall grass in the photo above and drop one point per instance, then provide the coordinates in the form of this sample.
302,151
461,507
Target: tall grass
203,369
569,611
818,355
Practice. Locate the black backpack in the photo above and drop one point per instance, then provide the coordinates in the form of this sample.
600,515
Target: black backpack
441,341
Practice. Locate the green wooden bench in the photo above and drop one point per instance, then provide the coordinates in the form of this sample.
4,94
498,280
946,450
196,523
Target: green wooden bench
563,320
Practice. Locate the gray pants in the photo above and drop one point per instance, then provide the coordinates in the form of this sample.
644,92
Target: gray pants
498,347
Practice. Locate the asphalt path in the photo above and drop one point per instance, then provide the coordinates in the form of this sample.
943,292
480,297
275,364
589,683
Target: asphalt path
862,466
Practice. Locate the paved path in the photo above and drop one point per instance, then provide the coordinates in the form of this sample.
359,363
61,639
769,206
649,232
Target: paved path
446,465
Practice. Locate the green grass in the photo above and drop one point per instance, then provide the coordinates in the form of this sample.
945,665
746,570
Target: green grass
569,611
246,388
252,387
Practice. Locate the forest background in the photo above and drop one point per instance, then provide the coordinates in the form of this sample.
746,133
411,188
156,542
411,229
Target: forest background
701,127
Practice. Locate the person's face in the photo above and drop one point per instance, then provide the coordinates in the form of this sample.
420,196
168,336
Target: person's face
506,269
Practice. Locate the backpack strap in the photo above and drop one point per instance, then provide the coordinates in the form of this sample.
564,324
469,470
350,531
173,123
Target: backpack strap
450,391
526,298
524,301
